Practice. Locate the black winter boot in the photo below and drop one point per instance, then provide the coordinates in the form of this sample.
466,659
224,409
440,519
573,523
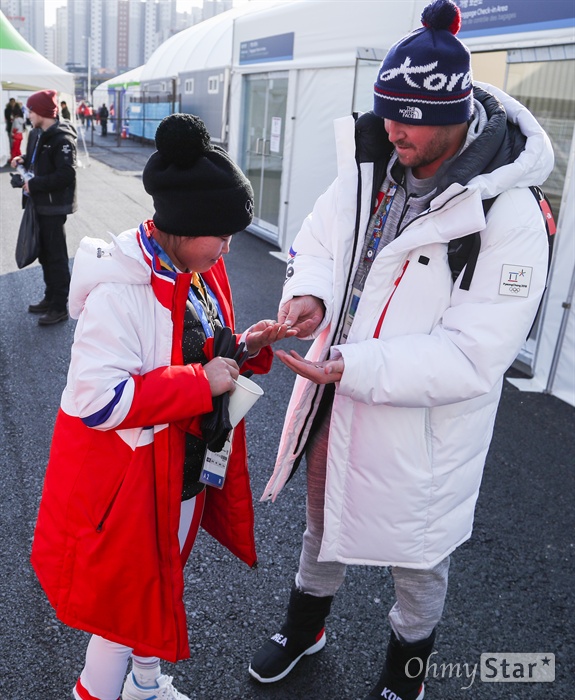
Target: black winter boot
40,308
302,633
404,671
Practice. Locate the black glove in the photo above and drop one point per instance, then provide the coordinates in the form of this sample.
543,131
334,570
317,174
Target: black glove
216,425
16,180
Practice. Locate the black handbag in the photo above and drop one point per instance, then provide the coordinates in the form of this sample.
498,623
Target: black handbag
28,243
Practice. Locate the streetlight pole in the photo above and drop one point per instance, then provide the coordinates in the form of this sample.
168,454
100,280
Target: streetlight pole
89,39
90,69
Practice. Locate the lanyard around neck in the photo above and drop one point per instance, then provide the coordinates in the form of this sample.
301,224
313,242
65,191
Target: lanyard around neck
34,152
199,308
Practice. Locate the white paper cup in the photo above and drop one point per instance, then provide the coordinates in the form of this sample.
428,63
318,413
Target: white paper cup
243,398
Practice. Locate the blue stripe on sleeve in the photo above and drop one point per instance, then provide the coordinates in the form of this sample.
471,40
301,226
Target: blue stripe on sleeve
103,414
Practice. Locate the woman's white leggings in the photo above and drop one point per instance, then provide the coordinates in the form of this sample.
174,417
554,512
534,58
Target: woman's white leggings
106,662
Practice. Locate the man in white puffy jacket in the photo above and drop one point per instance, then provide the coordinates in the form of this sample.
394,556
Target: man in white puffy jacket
396,400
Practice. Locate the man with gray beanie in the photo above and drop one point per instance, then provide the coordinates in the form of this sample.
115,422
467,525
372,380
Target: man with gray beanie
396,399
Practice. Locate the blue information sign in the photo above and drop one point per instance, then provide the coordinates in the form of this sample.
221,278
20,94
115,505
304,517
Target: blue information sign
484,17
268,48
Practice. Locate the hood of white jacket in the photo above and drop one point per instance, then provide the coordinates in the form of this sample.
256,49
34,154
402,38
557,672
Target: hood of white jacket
533,165
98,262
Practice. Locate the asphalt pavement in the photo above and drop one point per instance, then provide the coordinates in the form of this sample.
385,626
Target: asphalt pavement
511,588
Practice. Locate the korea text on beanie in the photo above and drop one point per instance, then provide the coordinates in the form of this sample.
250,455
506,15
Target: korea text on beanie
44,103
196,187
425,77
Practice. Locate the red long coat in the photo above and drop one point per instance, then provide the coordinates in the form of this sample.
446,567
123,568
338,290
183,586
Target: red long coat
106,547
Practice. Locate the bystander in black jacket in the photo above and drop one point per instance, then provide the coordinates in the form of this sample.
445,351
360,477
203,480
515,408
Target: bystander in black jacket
51,156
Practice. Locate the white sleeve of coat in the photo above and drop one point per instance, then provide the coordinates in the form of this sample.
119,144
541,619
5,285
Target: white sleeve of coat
310,268
480,334
108,350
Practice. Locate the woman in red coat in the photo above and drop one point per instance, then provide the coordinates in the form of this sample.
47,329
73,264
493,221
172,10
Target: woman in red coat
123,482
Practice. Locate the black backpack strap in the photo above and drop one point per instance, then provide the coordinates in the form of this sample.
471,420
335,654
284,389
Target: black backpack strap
474,248
463,252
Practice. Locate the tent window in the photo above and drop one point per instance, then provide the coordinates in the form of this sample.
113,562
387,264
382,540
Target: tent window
367,61
541,79
189,86
543,87
213,85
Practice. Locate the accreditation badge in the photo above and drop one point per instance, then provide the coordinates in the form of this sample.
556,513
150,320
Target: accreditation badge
216,464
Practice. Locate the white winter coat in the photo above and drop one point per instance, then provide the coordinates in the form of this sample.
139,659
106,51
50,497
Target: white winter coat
413,415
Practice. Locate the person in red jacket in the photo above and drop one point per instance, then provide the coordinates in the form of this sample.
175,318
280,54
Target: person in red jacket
18,129
144,407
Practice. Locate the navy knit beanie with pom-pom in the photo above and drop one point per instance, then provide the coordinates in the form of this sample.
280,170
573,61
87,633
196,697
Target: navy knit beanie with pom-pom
196,187
425,77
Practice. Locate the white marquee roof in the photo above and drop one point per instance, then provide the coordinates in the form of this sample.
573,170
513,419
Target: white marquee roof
205,45
23,68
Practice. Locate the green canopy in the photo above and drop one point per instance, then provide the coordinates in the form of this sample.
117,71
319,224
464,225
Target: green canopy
23,68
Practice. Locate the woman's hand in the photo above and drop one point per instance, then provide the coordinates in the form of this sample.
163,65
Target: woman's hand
327,372
221,373
265,333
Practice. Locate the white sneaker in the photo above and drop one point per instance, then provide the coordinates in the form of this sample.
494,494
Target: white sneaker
164,690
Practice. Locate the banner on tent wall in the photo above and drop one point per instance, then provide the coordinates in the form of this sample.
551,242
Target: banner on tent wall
485,17
268,48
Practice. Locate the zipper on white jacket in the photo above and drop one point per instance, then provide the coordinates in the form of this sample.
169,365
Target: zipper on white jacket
348,287
395,286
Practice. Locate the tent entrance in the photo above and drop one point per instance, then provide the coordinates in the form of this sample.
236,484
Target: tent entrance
264,117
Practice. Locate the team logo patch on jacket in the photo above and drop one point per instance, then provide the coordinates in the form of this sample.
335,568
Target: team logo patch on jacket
515,280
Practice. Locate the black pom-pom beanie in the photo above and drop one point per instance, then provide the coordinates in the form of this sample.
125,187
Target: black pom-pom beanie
196,187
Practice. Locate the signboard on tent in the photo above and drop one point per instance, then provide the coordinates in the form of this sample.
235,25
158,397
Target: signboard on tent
486,18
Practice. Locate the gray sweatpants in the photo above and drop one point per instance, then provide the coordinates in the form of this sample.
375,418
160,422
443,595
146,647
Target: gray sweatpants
420,594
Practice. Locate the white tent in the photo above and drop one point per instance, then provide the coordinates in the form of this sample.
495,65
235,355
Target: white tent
324,78
114,91
119,82
204,45
554,365
124,81
201,56
323,74
23,68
